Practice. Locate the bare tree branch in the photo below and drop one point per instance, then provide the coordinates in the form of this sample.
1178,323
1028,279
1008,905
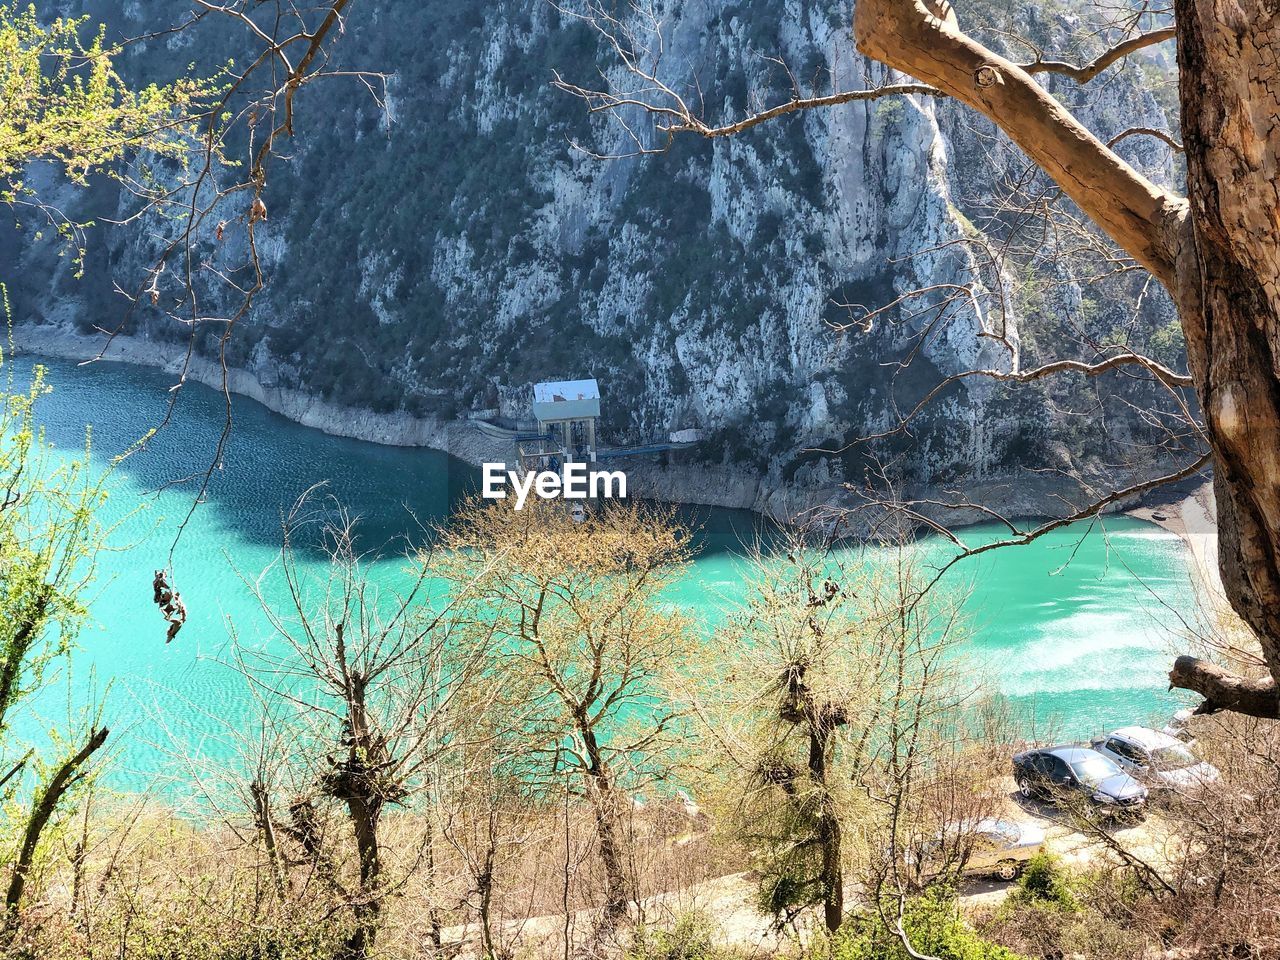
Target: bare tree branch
679,119
1146,132
1083,73
669,110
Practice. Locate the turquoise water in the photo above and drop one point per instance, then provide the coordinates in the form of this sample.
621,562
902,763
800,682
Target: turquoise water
1083,645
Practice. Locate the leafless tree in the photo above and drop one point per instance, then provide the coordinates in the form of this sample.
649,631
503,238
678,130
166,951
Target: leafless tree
375,676
491,823
579,645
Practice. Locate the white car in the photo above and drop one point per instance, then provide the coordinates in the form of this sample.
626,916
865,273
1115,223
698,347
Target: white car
997,848
1179,727
1158,759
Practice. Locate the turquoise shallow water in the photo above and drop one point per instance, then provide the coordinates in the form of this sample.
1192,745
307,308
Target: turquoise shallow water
1083,645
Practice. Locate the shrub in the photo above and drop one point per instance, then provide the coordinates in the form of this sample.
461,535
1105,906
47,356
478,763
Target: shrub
1087,915
1045,882
933,925
690,938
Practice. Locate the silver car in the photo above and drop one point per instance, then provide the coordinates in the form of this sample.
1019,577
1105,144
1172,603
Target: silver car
1157,759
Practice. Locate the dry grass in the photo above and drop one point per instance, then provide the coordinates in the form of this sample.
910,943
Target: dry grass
144,881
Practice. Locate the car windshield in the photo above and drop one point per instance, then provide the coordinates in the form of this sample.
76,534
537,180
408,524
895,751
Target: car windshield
1094,769
1173,757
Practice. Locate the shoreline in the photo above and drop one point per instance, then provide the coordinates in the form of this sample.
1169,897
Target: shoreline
1185,511
695,484
1193,517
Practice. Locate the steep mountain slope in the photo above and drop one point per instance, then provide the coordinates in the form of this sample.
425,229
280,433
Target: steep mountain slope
438,256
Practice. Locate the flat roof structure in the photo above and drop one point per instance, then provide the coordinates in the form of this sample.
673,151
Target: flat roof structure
566,400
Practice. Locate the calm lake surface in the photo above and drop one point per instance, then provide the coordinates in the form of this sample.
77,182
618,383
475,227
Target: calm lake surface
1076,632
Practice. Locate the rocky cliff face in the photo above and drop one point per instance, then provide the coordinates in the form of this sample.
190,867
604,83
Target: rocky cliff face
440,255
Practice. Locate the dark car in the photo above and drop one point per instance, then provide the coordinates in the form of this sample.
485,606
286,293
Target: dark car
1056,773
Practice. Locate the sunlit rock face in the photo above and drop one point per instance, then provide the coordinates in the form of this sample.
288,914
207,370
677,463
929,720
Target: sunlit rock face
438,253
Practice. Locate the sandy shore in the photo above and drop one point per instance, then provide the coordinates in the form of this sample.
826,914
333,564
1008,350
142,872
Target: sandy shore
1194,518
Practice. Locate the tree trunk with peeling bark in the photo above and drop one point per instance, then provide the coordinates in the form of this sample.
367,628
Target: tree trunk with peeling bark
1217,252
1228,295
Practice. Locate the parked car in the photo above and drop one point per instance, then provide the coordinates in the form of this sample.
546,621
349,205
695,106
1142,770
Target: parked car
1055,773
997,847
1156,758
1179,727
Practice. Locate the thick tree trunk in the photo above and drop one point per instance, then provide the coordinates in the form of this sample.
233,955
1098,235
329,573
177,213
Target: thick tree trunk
1228,294
435,923
1222,689
484,886
615,898
267,830
832,877
359,783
